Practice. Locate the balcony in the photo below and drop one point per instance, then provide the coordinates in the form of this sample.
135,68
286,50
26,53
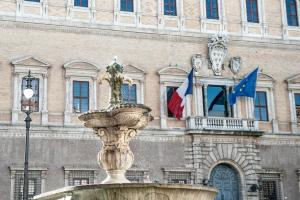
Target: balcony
221,124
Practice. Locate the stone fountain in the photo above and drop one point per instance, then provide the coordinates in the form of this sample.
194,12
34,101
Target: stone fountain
116,126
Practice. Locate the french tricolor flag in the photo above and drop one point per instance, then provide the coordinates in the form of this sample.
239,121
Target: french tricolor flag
178,99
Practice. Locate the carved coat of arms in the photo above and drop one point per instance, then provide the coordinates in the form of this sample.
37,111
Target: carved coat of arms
217,49
235,65
197,61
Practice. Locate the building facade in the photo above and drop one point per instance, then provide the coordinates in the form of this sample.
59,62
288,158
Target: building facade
249,151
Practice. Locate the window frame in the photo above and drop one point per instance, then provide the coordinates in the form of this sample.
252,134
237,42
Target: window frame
261,106
72,174
81,97
169,172
170,13
138,175
273,175
129,89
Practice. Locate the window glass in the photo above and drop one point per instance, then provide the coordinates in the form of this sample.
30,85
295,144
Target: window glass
261,107
80,96
212,9
80,181
33,0
80,177
252,11
129,93
170,91
297,104
170,7
291,12
34,184
127,5
34,101
81,3
217,101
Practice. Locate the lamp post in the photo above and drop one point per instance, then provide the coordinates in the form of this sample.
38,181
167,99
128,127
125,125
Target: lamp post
28,93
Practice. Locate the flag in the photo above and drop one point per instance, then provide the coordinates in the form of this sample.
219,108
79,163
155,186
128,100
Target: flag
178,99
246,87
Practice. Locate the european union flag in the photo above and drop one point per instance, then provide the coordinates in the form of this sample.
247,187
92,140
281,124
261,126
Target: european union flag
245,88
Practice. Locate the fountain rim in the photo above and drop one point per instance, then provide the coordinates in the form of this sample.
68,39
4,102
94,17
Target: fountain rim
71,189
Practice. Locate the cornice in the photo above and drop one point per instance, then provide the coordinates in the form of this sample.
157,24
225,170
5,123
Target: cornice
143,33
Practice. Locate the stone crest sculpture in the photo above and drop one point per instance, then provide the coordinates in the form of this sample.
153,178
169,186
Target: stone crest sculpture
197,61
217,49
235,65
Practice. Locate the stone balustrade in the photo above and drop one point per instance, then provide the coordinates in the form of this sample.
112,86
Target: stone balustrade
221,123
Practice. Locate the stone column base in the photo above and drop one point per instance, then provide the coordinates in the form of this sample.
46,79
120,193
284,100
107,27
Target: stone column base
115,176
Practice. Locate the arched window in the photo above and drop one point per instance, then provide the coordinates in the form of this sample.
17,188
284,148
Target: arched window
291,12
127,5
252,11
212,11
170,7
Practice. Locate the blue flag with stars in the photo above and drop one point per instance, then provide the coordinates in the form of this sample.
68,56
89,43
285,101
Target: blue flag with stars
245,88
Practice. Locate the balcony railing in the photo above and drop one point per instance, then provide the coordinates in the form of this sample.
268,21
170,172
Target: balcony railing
221,123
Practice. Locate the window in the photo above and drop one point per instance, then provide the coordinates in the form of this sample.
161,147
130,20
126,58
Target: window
297,104
270,184
217,101
34,101
79,177
81,3
170,91
34,184
170,7
129,93
80,96
127,5
252,11
136,176
178,175
261,108
291,12
212,9
33,0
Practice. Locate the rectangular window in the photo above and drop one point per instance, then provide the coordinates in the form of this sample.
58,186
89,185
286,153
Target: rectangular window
170,91
80,177
179,177
297,104
261,106
127,5
81,3
33,103
128,93
80,96
291,12
212,11
33,0
252,11
269,190
170,7
34,184
217,103
135,176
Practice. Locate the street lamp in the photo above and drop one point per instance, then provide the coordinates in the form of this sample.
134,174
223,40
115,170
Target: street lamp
28,93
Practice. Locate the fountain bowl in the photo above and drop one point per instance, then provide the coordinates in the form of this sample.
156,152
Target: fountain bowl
131,191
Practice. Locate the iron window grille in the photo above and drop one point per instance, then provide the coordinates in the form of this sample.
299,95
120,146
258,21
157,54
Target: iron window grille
34,184
80,177
212,10
252,11
179,177
136,176
80,96
270,185
170,7
261,106
127,5
81,3
33,102
291,12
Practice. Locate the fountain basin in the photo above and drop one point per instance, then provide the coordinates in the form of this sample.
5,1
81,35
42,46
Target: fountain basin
131,191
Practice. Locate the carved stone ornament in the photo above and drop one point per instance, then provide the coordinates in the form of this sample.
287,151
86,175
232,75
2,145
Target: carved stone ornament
217,49
235,65
197,61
